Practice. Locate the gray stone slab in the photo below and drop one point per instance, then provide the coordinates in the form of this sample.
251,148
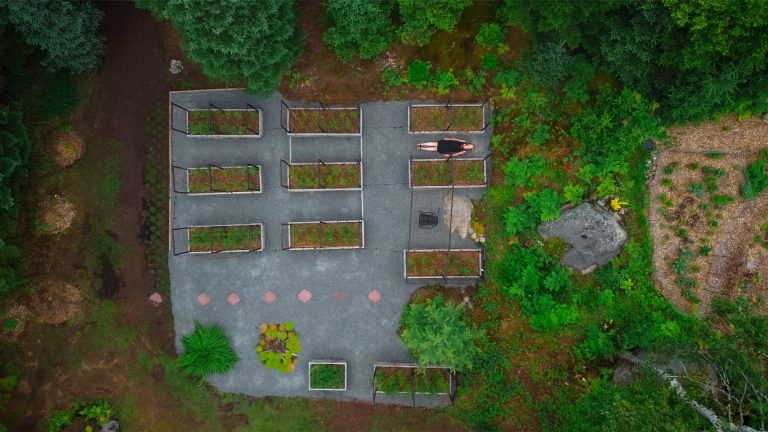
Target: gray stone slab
595,235
354,329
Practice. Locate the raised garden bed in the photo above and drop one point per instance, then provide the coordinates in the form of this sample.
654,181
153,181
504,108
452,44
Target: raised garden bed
326,235
437,118
434,173
459,263
228,238
242,179
279,346
224,122
331,175
328,375
320,121
407,379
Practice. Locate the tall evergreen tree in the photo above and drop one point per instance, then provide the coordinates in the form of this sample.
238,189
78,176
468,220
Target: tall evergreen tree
251,41
65,30
361,27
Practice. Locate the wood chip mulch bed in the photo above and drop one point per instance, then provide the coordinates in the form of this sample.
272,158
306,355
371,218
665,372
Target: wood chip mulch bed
224,238
328,176
714,242
241,122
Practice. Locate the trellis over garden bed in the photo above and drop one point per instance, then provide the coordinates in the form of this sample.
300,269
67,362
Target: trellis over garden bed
447,173
319,176
240,120
212,239
467,118
345,234
320,119
215,180
327,375
422,264
413,379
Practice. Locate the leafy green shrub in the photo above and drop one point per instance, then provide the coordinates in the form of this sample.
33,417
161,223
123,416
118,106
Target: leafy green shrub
100,411
518,219
421,18
474,81
445,81
490,61
545,204
539,135
721,200
697,189
438,333
756,177
596,346
574,194
392,77
279,346
490,35
207,350
547,63
418,73
358,27
607,143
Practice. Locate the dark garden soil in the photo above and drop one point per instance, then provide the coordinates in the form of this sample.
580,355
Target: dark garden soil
433,263
228,179
438,172
442,118
318,120
243,122
327,176
229,238
327,235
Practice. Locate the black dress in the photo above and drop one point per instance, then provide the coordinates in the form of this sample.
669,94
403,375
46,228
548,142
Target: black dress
449,146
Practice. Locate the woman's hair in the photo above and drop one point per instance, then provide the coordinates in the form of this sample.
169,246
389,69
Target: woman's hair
467,146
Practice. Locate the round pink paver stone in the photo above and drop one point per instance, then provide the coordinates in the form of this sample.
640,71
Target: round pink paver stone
340,295
305,295
269,297
203,299
233,299
374,296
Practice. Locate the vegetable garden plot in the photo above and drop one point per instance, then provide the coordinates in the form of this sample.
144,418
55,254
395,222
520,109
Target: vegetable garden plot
438,263
441,118
412,379
227,238
326,235
442,173
318,175
328,375
229,122
324,121
224,180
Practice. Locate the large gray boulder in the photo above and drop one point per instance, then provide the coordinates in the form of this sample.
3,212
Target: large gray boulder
594,235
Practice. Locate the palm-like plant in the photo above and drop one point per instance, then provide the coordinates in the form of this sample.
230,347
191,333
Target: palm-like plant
438,333
207,350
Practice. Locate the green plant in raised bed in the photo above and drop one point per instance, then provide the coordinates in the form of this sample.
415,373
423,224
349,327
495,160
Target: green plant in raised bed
207,350
393,382
279,346
327,376
431,381
473,172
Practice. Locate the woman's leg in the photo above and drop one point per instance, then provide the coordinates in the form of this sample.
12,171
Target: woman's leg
427,146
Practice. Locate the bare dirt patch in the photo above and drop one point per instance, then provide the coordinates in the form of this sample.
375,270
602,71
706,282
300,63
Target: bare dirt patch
701,226
55,302
69,147
14,321
57,214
